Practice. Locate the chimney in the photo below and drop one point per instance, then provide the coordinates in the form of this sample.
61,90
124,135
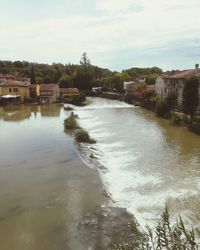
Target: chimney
197,66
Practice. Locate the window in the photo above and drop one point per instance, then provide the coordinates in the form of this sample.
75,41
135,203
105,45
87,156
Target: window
15,89
10,90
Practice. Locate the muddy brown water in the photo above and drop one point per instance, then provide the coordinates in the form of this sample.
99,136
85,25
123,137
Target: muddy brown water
45,189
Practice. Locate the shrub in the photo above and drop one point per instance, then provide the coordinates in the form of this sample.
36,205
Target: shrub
79,99
70,122
68,108
195,127
83,136
176,119
185,119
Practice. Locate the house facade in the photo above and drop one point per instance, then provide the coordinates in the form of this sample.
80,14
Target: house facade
175,83
14,87
129,88
49,93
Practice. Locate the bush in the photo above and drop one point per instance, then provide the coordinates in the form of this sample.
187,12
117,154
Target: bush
68,108
83,136
70,122
185,119
79,99
176,119
195,127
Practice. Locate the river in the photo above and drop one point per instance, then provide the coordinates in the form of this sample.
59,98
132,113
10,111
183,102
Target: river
145,161
45,188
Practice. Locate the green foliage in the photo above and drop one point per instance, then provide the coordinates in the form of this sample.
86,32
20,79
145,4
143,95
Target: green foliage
150,74
68,108
161,108
83,136
83,76
151,78
70,123
171,100
164,236
33,81
176,119
185,119
85,60
195,127
65,81
79,99
190,96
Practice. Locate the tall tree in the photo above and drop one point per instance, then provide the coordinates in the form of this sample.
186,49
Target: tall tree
190,96
85,60
32,75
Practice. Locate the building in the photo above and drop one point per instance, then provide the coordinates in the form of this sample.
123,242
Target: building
141,80
34,90
67,92
12,87
175,82
160,87
49,93
129,88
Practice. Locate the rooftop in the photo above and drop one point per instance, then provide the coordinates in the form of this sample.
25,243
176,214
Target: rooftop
49,86
182,74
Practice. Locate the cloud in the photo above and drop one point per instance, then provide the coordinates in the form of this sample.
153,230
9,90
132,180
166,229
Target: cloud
115,27
113,5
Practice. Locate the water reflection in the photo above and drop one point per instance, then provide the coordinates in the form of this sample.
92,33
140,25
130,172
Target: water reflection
23,112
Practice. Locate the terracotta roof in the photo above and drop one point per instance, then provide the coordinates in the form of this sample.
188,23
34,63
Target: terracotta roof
50,86
11,83
14,77
183,74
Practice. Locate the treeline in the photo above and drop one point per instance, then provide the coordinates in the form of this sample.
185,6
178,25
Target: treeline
150,74
83,76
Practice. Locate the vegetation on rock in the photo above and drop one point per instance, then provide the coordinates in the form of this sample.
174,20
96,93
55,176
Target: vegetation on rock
70,123
82,136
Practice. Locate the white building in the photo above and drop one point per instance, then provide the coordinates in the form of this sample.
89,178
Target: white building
175,82
129,87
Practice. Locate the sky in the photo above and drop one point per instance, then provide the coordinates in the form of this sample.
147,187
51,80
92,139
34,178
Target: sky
115,34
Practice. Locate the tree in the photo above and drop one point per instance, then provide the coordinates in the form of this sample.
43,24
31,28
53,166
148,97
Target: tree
32,75
84,60
65,81
190,96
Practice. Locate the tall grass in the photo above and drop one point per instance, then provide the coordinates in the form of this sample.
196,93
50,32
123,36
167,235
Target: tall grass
164,236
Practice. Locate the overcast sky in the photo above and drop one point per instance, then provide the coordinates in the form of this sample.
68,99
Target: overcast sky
116,34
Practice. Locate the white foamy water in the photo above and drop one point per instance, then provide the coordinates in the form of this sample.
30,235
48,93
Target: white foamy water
146,162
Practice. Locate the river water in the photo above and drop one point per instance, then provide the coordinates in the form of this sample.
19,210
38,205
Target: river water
145,162
45,188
